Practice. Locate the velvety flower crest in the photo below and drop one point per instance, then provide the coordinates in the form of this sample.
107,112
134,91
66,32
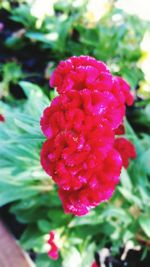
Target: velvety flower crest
81,153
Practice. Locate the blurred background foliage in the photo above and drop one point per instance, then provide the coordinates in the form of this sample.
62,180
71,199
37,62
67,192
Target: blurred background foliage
34,37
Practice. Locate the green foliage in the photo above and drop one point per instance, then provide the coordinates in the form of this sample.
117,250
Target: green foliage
115,38
32,195
22,15
11,73
20,142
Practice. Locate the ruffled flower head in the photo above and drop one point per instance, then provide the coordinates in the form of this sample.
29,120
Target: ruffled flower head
81,153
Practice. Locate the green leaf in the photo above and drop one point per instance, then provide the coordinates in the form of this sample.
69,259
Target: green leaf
144,222
44,226
72,256
10,193
32,239
23,15
126,180
44,261
129,196
90,218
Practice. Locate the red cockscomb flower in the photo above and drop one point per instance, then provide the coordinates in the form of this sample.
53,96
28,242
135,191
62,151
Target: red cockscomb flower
53,252
2,119
80,127
126,149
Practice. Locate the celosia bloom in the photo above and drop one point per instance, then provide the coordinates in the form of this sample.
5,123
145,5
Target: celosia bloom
2,119
126,150
53,251
80,126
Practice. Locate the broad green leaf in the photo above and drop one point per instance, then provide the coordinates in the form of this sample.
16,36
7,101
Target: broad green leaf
126,180
129,196
44,261
44,226
144,222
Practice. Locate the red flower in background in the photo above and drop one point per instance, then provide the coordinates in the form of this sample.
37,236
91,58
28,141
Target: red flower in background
80,125
2,119
126,149
53,252
94,264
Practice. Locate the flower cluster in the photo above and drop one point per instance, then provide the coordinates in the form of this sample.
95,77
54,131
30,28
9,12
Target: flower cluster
81,152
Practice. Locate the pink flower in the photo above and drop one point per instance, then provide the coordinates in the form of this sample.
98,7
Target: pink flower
80,153
53,252
2,119
126,149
